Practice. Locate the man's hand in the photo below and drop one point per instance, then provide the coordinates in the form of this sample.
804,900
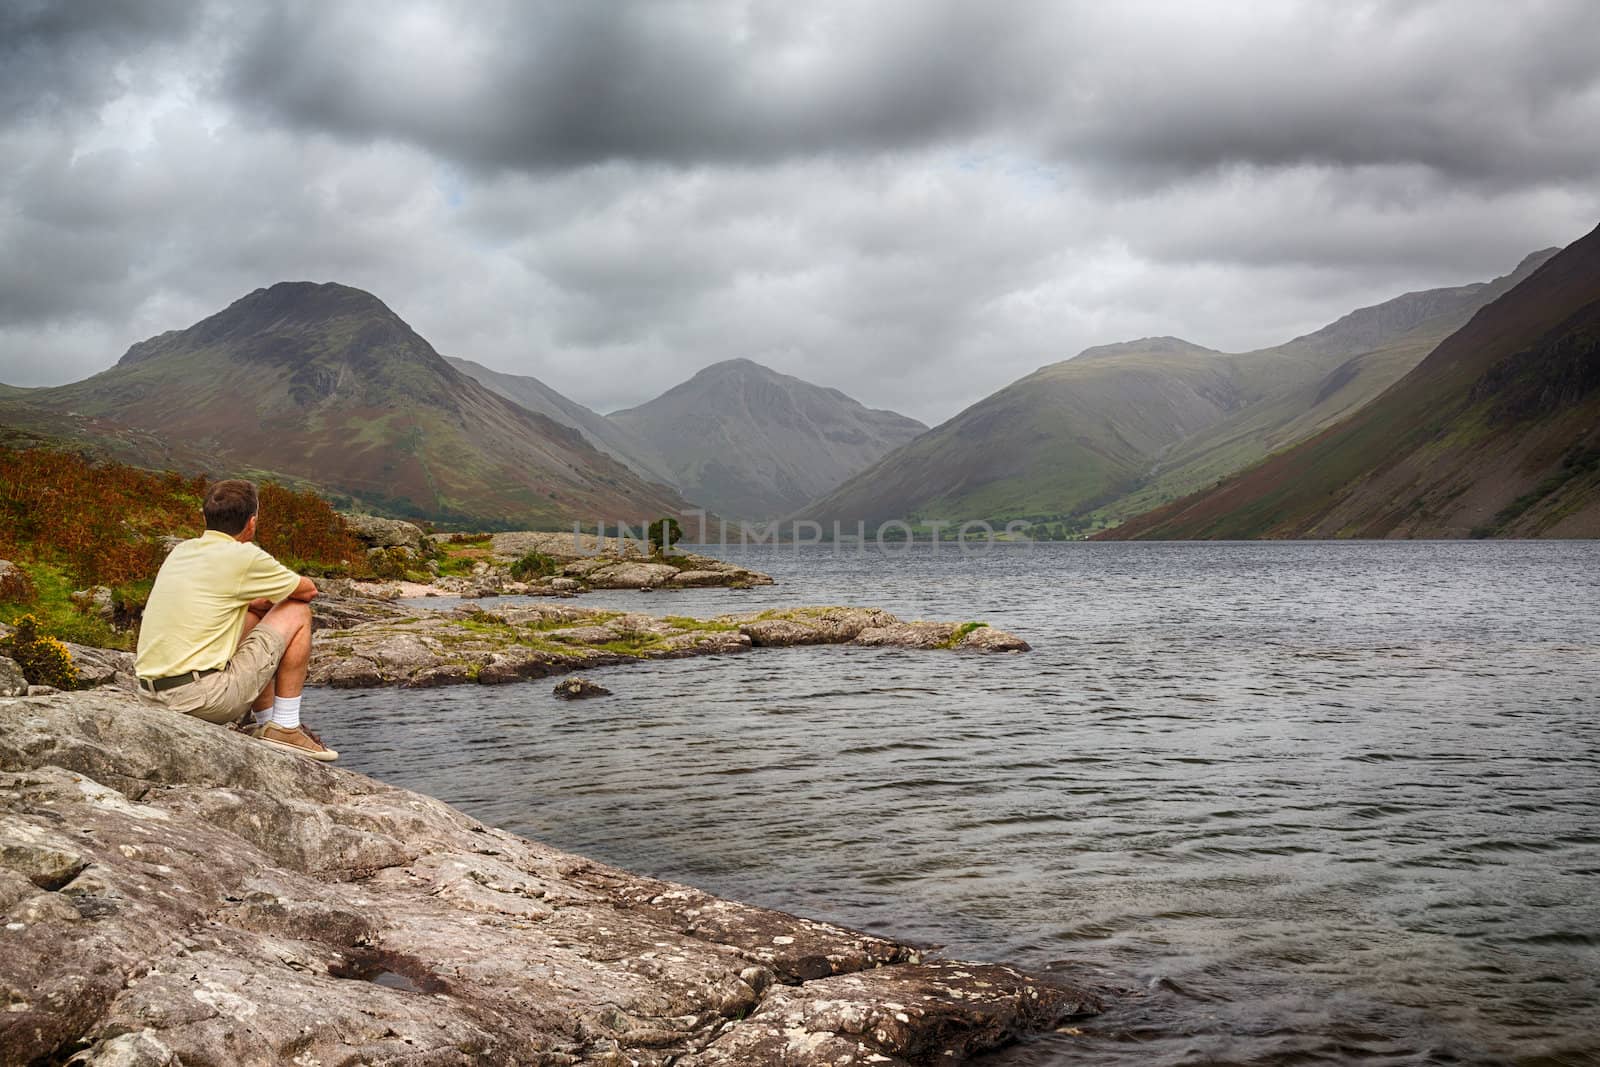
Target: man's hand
259,607
304,591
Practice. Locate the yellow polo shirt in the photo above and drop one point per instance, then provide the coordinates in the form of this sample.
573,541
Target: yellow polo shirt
195,613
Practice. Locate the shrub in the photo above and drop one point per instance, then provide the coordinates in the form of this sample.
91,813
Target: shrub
533,564
102,522
389,564
663,534
300,525
43,659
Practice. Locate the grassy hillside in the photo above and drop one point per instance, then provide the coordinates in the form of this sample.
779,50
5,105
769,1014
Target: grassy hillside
1064,440
1495,433
1257,431
326,385
1119,429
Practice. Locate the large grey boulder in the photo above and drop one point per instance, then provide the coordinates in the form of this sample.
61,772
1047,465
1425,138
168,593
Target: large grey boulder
631,574
173,892
103,666
377,532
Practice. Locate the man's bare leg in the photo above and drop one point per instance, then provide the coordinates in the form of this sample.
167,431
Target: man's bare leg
292,619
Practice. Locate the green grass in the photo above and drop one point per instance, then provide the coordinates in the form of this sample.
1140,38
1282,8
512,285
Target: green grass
634,645
962,631
489,626
456,566
683,622
456,558
59,617
527,635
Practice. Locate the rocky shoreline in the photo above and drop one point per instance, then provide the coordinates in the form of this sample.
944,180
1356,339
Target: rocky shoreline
374,643
175,893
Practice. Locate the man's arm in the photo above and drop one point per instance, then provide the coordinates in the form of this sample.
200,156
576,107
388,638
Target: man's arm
304,591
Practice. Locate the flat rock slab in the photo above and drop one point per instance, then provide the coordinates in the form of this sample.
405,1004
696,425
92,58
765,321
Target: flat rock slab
176,893
476,645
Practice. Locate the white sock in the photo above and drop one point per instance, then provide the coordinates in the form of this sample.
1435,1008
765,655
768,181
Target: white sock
286,712
262,715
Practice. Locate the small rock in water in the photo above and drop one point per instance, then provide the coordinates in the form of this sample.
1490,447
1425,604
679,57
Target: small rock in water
578,688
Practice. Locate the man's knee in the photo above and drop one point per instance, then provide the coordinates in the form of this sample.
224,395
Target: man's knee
289,618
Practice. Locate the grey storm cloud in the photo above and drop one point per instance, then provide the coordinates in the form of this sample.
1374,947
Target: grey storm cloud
561,84
915,201
1493,94
58,58
1481,90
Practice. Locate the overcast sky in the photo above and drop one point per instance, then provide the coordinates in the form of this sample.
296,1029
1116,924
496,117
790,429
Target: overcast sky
916,202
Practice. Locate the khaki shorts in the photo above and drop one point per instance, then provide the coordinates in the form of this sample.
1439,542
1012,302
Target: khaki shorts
225,695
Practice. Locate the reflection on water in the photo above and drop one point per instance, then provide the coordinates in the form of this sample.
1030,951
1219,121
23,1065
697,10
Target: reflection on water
1302,802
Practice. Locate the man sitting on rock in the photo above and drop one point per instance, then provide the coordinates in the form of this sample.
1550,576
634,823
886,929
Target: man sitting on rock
227,629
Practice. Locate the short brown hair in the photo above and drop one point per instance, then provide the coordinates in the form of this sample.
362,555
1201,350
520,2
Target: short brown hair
229,505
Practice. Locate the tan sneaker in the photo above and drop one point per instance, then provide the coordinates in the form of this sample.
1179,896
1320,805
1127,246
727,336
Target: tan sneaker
297,741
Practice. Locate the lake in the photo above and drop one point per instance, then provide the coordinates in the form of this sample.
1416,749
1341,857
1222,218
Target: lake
1298,802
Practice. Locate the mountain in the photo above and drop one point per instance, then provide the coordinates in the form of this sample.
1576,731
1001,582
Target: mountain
1386,340
750,443
1495,433
1122,428
1072,432
324,384
603,434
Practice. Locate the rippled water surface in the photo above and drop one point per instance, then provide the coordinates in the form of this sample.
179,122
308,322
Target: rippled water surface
1301,803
